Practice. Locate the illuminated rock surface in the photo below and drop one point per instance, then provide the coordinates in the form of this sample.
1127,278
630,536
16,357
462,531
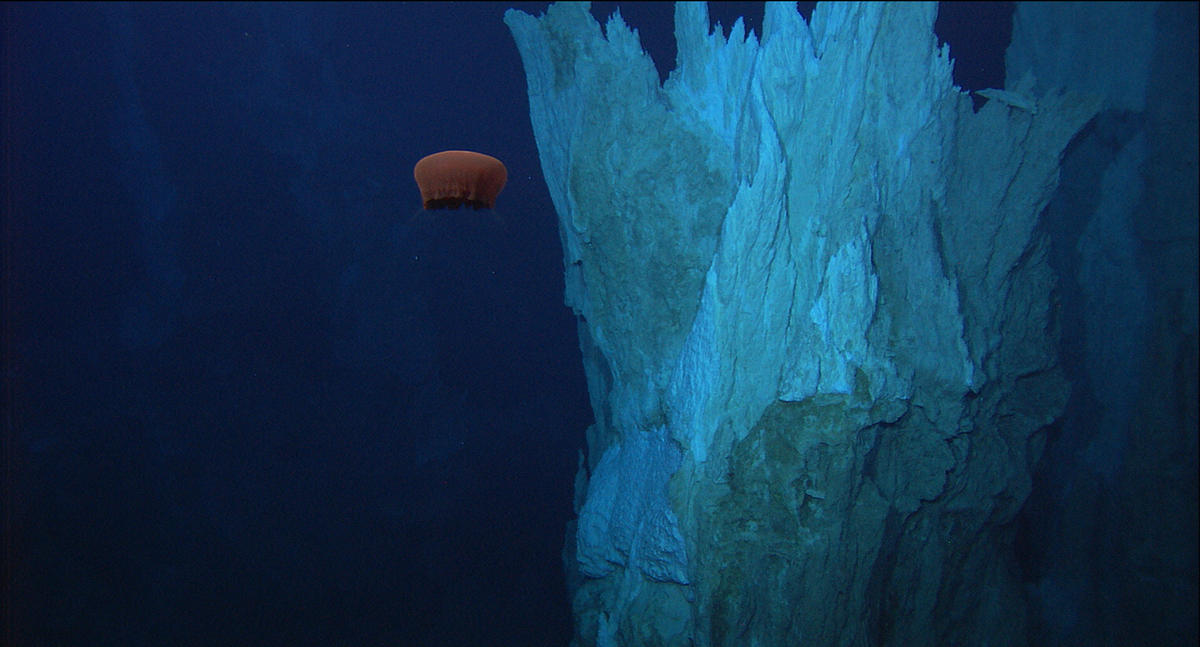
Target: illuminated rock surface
811,272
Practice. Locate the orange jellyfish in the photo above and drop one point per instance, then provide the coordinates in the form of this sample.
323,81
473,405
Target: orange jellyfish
450,179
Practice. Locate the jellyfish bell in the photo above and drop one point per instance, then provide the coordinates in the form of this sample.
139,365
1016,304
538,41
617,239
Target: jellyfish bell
451,179
454,179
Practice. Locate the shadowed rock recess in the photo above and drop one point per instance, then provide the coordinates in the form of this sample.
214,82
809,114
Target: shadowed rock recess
816,319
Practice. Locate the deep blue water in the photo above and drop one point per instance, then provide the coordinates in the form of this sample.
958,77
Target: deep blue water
253,395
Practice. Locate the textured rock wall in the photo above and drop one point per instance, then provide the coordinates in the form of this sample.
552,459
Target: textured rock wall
816,318
1113,534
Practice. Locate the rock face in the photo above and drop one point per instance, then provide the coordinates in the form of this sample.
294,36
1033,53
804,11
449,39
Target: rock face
816,320
1113,522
